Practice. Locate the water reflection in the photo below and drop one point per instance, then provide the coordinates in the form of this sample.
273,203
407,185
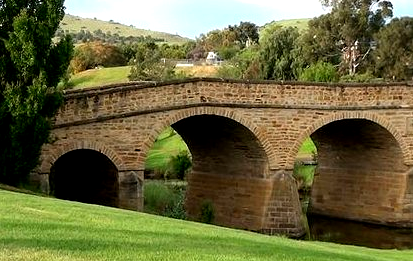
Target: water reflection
359,234
344,231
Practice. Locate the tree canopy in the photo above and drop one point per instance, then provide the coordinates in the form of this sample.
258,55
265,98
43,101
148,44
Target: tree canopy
31,66
346,34
394,53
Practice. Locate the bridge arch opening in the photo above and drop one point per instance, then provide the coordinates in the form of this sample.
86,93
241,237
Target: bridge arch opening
229,167
360,173
86,176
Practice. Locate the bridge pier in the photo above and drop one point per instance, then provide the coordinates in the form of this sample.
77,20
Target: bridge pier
131,189
283,214
266,205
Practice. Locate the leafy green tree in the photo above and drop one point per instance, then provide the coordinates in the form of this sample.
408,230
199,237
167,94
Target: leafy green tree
319,72
92,54
245,65
246,33
31,66
278,54
345,35
148,65
394,53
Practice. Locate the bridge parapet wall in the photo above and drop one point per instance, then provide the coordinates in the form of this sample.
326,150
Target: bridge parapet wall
135,98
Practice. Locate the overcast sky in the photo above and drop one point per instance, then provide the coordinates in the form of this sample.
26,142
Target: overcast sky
190,18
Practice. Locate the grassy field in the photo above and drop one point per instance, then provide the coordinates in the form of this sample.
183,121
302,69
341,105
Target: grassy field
98,77
37,229
168,144
198,70
74,24
103,76
308,149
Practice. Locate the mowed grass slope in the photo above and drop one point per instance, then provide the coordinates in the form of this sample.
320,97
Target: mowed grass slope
36,228
75,23
104,76
168,144
99,77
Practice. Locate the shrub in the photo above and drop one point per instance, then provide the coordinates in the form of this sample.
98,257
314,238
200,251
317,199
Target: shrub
157,197
360,78
165,199
207,212
180,165
319,72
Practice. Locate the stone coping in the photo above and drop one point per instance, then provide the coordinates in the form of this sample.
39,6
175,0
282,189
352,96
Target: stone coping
119,87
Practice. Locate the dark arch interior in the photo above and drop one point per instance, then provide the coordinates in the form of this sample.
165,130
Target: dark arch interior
360,170
86,176
222,146
229,165
356,144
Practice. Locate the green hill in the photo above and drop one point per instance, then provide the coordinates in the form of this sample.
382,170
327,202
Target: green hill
301,24
74,24
39,229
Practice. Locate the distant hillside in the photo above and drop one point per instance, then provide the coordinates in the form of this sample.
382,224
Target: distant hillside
301,24
74,24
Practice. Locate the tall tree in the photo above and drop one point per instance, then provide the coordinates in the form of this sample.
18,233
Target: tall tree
394,52
31,66
148,65
246,33
347,31
278,54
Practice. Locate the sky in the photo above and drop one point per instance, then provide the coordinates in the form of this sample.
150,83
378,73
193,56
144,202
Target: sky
190,18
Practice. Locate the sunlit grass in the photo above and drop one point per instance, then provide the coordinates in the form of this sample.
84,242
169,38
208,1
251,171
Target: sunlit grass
36,228
99,77
168,144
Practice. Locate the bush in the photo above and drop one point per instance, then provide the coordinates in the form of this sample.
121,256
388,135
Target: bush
360,78
157,197
165,199
180,165
207,212
90,55
319,72
229,71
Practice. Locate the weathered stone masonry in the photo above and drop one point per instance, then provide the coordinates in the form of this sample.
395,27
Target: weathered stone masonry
244,137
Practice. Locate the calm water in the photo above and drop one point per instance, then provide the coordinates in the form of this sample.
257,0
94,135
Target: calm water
349,232
359,234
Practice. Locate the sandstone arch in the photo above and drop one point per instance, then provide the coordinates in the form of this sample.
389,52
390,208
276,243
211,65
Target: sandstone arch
258,132
361,173
350,115
61,148
86,176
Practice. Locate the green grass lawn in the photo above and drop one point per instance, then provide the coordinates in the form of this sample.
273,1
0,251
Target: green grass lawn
308,149
99,77
168,144
36,228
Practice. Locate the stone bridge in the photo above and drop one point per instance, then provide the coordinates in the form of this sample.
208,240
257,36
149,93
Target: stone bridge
244,138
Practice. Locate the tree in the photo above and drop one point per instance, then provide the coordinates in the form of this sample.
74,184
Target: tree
345,34
278,54
394,53
246,33
90,55
319,72
148,66
31,66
